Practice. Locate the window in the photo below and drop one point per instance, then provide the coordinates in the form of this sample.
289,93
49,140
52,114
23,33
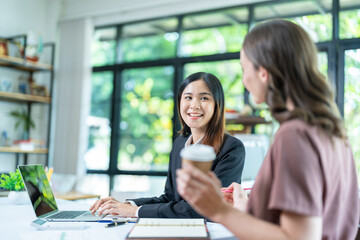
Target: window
214,33
323,63
98,122
352,101
103,47
230,75
149,40
147,103
139,66
314,16
349,19
349,24
319,26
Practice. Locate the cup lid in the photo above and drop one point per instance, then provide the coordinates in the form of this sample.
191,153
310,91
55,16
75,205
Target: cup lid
198,152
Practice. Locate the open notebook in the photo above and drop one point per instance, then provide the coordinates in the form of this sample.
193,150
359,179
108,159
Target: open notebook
169,228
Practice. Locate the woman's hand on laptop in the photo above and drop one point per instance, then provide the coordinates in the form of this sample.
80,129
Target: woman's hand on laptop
110,205
100,202
117,208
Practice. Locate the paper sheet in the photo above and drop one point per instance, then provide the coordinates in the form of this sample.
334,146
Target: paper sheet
90,234
218,231
171,228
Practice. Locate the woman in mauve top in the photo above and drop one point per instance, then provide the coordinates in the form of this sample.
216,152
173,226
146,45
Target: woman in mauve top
307,185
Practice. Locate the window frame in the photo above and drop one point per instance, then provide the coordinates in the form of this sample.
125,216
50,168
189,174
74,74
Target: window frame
335,49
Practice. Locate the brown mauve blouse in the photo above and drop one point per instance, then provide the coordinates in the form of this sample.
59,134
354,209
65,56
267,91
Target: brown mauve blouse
306,173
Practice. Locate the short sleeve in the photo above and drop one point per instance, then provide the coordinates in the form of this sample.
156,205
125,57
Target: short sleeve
297,177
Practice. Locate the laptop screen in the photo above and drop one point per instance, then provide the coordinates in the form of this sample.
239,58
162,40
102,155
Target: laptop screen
38,188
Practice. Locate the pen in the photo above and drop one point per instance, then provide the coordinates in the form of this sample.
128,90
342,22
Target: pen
113,224
105,221
129,220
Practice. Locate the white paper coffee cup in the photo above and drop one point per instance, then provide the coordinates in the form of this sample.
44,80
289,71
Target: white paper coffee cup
198,155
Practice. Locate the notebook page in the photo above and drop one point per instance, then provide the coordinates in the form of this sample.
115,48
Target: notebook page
169,228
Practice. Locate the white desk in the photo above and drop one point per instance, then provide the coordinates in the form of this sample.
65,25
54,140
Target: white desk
15,225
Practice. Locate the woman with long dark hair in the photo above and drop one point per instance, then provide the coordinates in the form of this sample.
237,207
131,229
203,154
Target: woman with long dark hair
201,108
307,185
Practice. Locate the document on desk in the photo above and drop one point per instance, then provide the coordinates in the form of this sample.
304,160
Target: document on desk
189,228
91,234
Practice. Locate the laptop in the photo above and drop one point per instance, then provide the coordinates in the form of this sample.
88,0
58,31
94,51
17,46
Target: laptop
43,200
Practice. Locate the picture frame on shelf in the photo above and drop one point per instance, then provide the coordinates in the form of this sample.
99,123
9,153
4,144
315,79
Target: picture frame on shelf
14,49
3,47
38,90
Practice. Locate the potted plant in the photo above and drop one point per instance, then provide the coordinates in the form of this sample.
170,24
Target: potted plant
24,119
14,183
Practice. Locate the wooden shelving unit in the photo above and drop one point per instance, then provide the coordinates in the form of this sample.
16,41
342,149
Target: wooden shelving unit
248,122
30,67
22,64
19,97
18,150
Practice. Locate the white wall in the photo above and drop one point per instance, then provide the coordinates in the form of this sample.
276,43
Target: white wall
21,17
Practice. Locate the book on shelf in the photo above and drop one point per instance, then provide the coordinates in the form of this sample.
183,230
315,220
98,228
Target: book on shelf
29,144
169,228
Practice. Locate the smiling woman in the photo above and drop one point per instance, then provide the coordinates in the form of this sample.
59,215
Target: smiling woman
201,110
197,108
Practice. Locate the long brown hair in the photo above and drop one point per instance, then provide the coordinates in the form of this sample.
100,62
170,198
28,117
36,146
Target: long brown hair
214,135
286,51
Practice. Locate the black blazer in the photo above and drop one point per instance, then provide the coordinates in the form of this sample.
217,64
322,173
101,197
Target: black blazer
227,166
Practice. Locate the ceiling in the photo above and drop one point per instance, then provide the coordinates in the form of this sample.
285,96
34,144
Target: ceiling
229,16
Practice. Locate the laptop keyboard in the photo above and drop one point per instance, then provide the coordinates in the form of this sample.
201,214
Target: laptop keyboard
67,214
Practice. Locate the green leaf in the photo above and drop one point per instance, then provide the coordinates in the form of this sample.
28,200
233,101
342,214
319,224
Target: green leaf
12,182
24,119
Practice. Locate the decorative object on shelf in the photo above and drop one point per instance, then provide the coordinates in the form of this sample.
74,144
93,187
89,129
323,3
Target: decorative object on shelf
24,119
4,140
3,48
234,114
33,48
14,183
39,90
13,49
25,145
23,85
6,85
242,122
231,114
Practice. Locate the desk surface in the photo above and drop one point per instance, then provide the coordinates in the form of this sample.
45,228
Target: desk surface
15,225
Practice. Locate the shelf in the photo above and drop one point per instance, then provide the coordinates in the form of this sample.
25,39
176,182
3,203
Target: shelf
39,95
18,150
22,64
19,97
247,120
